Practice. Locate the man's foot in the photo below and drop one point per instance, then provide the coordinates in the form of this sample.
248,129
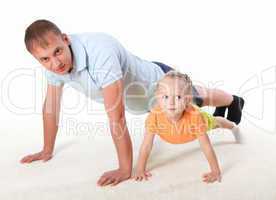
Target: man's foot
235,109
114,177
237,134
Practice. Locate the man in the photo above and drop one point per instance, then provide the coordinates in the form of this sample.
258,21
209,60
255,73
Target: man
100,67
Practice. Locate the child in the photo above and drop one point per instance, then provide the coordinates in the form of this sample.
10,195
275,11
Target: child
176,120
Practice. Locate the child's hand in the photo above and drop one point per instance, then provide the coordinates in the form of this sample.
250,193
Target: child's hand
211,177
142,175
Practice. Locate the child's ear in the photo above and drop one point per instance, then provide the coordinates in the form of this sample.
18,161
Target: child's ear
189,99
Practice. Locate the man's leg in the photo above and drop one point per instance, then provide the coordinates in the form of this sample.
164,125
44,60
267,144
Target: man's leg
222,100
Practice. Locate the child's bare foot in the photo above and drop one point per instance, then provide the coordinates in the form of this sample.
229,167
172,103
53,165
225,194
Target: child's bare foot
142,175
211,177
44,156
237,134
114,177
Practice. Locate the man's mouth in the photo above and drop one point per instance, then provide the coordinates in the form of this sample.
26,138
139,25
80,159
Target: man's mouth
61,69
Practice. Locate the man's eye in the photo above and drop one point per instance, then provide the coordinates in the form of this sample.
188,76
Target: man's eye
58,51
45,59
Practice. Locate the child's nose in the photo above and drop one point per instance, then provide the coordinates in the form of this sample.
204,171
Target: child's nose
171,100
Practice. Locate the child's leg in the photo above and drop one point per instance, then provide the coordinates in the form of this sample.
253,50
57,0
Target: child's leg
225,123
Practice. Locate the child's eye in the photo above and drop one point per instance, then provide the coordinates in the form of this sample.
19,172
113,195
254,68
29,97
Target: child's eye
178,97
165,97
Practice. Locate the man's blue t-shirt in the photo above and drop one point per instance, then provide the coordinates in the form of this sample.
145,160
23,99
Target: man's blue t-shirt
99,60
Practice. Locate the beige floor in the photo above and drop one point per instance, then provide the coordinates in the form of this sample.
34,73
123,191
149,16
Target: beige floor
248,170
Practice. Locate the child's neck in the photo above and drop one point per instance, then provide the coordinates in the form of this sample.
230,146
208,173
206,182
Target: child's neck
176,118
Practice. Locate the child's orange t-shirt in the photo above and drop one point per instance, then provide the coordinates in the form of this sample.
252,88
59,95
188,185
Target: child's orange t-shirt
188,128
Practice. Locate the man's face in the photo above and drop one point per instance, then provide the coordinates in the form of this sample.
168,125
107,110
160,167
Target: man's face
56,55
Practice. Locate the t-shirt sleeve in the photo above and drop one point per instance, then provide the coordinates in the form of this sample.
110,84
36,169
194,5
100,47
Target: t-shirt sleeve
198,124
107,68
52,79
151,124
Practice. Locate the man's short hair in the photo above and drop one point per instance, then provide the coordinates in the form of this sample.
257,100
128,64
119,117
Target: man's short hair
36,32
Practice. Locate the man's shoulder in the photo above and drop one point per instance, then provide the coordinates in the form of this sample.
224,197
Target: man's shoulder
93,38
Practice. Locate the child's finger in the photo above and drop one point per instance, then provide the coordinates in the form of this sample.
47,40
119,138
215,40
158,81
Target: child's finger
207,178
148,174
205,175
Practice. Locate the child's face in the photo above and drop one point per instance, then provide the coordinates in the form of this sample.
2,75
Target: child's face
171,96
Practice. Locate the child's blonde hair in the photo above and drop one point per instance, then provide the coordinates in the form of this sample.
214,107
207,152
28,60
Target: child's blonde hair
184,78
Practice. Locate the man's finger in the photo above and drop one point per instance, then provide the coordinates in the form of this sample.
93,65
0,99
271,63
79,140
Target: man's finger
108,182
23,160
29,160
102,180
116,182
27,157
48,157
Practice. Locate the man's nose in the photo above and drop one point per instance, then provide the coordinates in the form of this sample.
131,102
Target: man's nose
56,63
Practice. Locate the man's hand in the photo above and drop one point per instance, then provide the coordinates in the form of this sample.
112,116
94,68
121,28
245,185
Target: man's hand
113,177
211,177
142,175
44,156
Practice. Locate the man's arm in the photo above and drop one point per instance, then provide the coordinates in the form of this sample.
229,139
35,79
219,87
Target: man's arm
50,113
114,105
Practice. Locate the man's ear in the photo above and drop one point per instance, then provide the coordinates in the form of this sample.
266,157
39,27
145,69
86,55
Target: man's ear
65,38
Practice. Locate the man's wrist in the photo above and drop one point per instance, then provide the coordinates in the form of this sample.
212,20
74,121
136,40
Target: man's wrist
47,150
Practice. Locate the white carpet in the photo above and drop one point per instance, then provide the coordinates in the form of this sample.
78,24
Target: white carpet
248,170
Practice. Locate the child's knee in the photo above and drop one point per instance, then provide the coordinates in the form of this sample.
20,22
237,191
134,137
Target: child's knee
219,121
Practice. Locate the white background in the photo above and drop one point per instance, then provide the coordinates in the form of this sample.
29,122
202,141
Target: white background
225,44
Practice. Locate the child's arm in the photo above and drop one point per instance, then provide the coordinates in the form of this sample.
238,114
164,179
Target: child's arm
145,150
208,151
